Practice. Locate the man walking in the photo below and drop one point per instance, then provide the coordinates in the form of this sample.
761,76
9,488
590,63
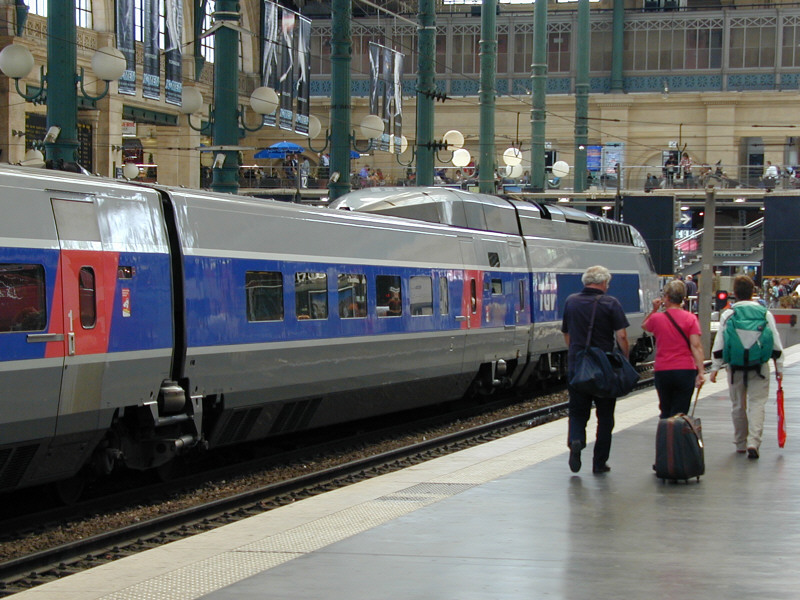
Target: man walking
607,327
746,340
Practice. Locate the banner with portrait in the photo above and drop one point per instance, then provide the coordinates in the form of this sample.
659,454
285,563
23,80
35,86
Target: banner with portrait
173,34
126,45
397,99
285,65
151,79
302,75
386,93
271,52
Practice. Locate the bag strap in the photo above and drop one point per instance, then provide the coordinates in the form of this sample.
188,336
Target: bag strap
681,331
591,322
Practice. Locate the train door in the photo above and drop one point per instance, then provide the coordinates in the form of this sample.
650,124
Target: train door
471,302
86,310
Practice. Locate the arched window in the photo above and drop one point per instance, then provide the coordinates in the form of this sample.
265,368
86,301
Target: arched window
83,11
138,16
207,43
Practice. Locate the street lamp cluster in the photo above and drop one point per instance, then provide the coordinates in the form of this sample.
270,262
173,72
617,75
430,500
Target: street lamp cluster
16,62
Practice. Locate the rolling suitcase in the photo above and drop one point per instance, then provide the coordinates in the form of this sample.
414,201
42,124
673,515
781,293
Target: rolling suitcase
679,447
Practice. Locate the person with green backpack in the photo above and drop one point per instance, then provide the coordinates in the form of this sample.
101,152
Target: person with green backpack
746,340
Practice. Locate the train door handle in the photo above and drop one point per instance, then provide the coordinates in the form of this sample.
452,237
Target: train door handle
461,318
45,337
71,344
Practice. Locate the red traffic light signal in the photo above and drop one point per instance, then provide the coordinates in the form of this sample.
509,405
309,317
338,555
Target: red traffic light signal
721,300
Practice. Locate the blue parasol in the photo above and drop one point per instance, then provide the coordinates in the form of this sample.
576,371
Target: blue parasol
279,150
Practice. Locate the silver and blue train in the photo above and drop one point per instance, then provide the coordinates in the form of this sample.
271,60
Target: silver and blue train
139,322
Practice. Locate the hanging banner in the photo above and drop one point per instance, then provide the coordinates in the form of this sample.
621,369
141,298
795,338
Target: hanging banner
303,63
397,113
387,75
286,65
386,93
151,80
286,114
173,34
271,53
125,44
374,77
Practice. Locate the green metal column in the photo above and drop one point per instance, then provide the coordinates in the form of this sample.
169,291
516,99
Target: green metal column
488,51
488,45
62,66
426,82
539,95
341,51
225,114
582,95
617,46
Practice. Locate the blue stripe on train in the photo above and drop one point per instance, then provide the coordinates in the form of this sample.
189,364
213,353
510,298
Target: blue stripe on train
216,306
551,290
14,345
149,296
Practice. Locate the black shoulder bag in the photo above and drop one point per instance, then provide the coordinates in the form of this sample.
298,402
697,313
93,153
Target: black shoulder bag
602,374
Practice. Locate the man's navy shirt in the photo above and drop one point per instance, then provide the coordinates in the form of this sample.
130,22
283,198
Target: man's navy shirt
610,318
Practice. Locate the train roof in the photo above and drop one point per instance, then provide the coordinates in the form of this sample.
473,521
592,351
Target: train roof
460,208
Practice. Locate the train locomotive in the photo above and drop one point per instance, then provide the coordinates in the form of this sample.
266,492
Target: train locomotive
140,322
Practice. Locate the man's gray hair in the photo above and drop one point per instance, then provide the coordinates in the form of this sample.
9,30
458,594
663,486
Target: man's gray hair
596,275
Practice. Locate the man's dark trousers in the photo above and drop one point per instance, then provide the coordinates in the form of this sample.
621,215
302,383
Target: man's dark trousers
580,408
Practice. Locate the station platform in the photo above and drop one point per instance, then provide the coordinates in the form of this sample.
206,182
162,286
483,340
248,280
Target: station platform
508,520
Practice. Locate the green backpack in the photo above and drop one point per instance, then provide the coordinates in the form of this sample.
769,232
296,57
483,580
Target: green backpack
747,318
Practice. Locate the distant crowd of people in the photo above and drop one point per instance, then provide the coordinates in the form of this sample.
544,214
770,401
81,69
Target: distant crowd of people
681,171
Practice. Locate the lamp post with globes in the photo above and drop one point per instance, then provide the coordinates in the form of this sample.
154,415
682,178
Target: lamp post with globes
59,81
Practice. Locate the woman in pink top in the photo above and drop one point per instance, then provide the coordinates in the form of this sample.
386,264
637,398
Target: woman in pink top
679,364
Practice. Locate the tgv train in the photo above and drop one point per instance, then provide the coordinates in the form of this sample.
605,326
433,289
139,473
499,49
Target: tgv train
139,322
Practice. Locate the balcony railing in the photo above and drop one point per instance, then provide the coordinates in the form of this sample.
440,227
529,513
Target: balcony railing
728,241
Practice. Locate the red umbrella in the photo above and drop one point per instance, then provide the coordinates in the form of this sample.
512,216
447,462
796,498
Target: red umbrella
781,417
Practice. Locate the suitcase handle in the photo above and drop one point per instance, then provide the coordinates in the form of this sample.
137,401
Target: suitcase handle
696,400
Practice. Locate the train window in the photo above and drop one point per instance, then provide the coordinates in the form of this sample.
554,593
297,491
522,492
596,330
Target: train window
87,295
23,305
264,291
497,286
473,296
420,293
311,295
389,301
444,297
494,260
522,294
124,272
352,296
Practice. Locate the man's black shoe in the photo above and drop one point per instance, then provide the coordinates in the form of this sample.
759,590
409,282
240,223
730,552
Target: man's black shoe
599,469
575,448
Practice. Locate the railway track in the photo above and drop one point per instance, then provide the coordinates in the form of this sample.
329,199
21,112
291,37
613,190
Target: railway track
34,569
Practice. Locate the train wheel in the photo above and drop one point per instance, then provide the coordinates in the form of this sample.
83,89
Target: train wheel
69,491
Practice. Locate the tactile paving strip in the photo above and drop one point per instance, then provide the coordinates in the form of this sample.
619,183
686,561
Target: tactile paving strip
229,567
